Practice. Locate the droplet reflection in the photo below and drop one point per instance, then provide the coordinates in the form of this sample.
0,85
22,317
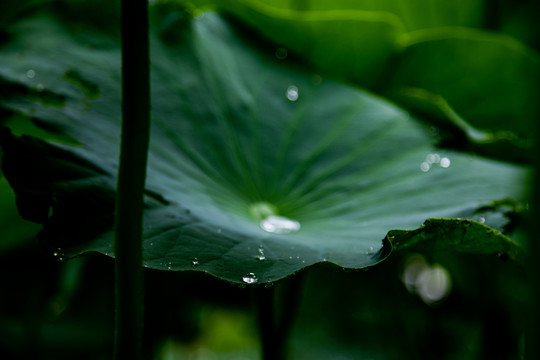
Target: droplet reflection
279,225
31,74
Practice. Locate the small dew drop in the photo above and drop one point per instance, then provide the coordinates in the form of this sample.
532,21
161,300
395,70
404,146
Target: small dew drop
279,225
433,158
31,74
292,93
482,219
261,255
195,262
370,251
169,265
55,254
445,162
425,166
281,53
250,278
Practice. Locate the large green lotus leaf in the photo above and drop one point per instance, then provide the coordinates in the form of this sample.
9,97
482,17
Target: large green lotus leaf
487,84
353,44
237,135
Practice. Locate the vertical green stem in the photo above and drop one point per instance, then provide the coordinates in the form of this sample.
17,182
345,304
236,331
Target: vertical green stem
272,347
131,179
276,312
532,338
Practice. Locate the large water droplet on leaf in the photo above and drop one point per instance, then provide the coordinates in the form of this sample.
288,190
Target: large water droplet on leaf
280,225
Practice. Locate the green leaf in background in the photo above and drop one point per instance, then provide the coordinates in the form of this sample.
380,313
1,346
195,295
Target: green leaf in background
429,56
257,168
354,44
414,14
487,84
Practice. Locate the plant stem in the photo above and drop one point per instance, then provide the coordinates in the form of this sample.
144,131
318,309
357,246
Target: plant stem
264,298
131,179
532,345
275,325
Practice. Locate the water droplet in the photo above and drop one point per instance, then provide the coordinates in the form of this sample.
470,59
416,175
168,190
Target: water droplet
281,53
151,244
370,251
433,158
31,74
425,166
260,255
482,219
55,254
279,225
292,93
445,162
169,265
250,278
195,262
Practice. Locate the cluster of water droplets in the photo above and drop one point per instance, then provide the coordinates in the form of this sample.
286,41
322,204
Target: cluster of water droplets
434,159
59,254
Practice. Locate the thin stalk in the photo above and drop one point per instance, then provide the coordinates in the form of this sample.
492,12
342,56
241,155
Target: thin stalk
131,179
532,338
272,348
276,313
